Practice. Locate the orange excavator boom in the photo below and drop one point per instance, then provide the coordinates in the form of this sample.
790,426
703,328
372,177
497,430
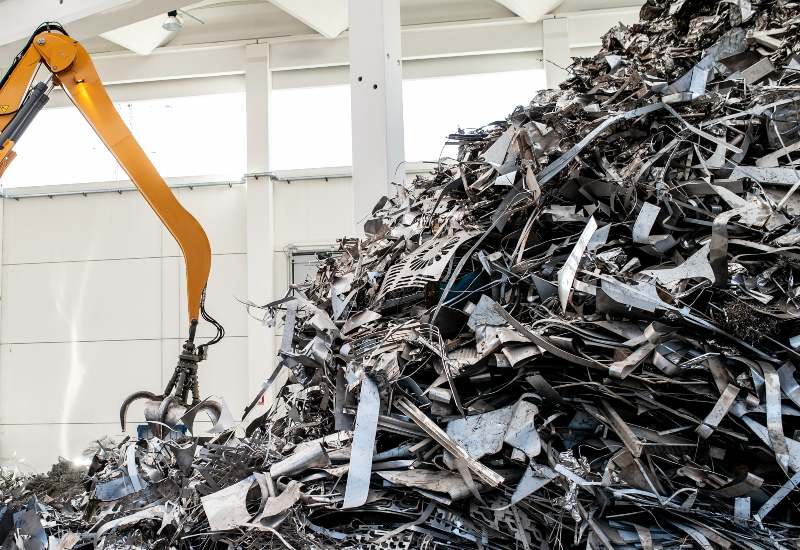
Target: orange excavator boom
71,68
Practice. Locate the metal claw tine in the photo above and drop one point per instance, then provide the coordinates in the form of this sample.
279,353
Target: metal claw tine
123,411
213,408
164,407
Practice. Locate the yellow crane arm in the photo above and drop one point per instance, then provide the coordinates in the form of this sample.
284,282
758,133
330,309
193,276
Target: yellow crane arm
73,70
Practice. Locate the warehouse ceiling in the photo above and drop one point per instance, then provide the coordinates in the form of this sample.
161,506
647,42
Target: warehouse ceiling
225,20
121,25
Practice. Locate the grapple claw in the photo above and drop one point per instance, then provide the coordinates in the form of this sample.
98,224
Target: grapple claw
166,410
123,410
210,406
213,409
159,411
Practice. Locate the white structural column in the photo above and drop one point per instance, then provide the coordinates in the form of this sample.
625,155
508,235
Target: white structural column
260,220
555,42
376,93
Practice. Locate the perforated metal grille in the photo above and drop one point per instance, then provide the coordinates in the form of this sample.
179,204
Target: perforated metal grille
425,265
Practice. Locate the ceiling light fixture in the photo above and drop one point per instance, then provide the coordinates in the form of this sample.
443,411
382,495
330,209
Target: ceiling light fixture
172,23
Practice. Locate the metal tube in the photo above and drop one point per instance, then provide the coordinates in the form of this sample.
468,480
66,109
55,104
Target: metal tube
34,103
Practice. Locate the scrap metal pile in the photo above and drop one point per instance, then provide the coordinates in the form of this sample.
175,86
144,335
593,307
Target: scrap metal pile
581,332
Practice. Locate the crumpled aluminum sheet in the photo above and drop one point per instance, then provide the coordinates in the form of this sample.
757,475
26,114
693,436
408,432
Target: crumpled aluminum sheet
580,331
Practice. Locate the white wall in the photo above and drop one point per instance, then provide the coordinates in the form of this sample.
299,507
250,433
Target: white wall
309,212
93,305
93,308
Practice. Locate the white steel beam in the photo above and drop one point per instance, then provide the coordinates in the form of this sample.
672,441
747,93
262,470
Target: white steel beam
260,218
21,17
531,10
584,6
417,42
413,69
555,52
329,18
143,36
131,12
83,19
172,64
376,92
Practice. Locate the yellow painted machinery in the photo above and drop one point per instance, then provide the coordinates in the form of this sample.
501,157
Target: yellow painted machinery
71,68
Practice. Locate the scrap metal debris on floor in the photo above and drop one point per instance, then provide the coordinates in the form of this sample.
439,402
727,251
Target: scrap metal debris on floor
582,332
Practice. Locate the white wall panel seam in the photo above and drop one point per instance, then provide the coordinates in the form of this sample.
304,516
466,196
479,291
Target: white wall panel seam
110,340
121,340
122,259
39,424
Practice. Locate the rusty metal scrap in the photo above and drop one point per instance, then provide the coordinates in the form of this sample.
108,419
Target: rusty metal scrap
581,331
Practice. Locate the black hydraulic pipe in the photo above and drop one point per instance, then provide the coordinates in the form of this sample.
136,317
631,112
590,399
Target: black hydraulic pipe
34,102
